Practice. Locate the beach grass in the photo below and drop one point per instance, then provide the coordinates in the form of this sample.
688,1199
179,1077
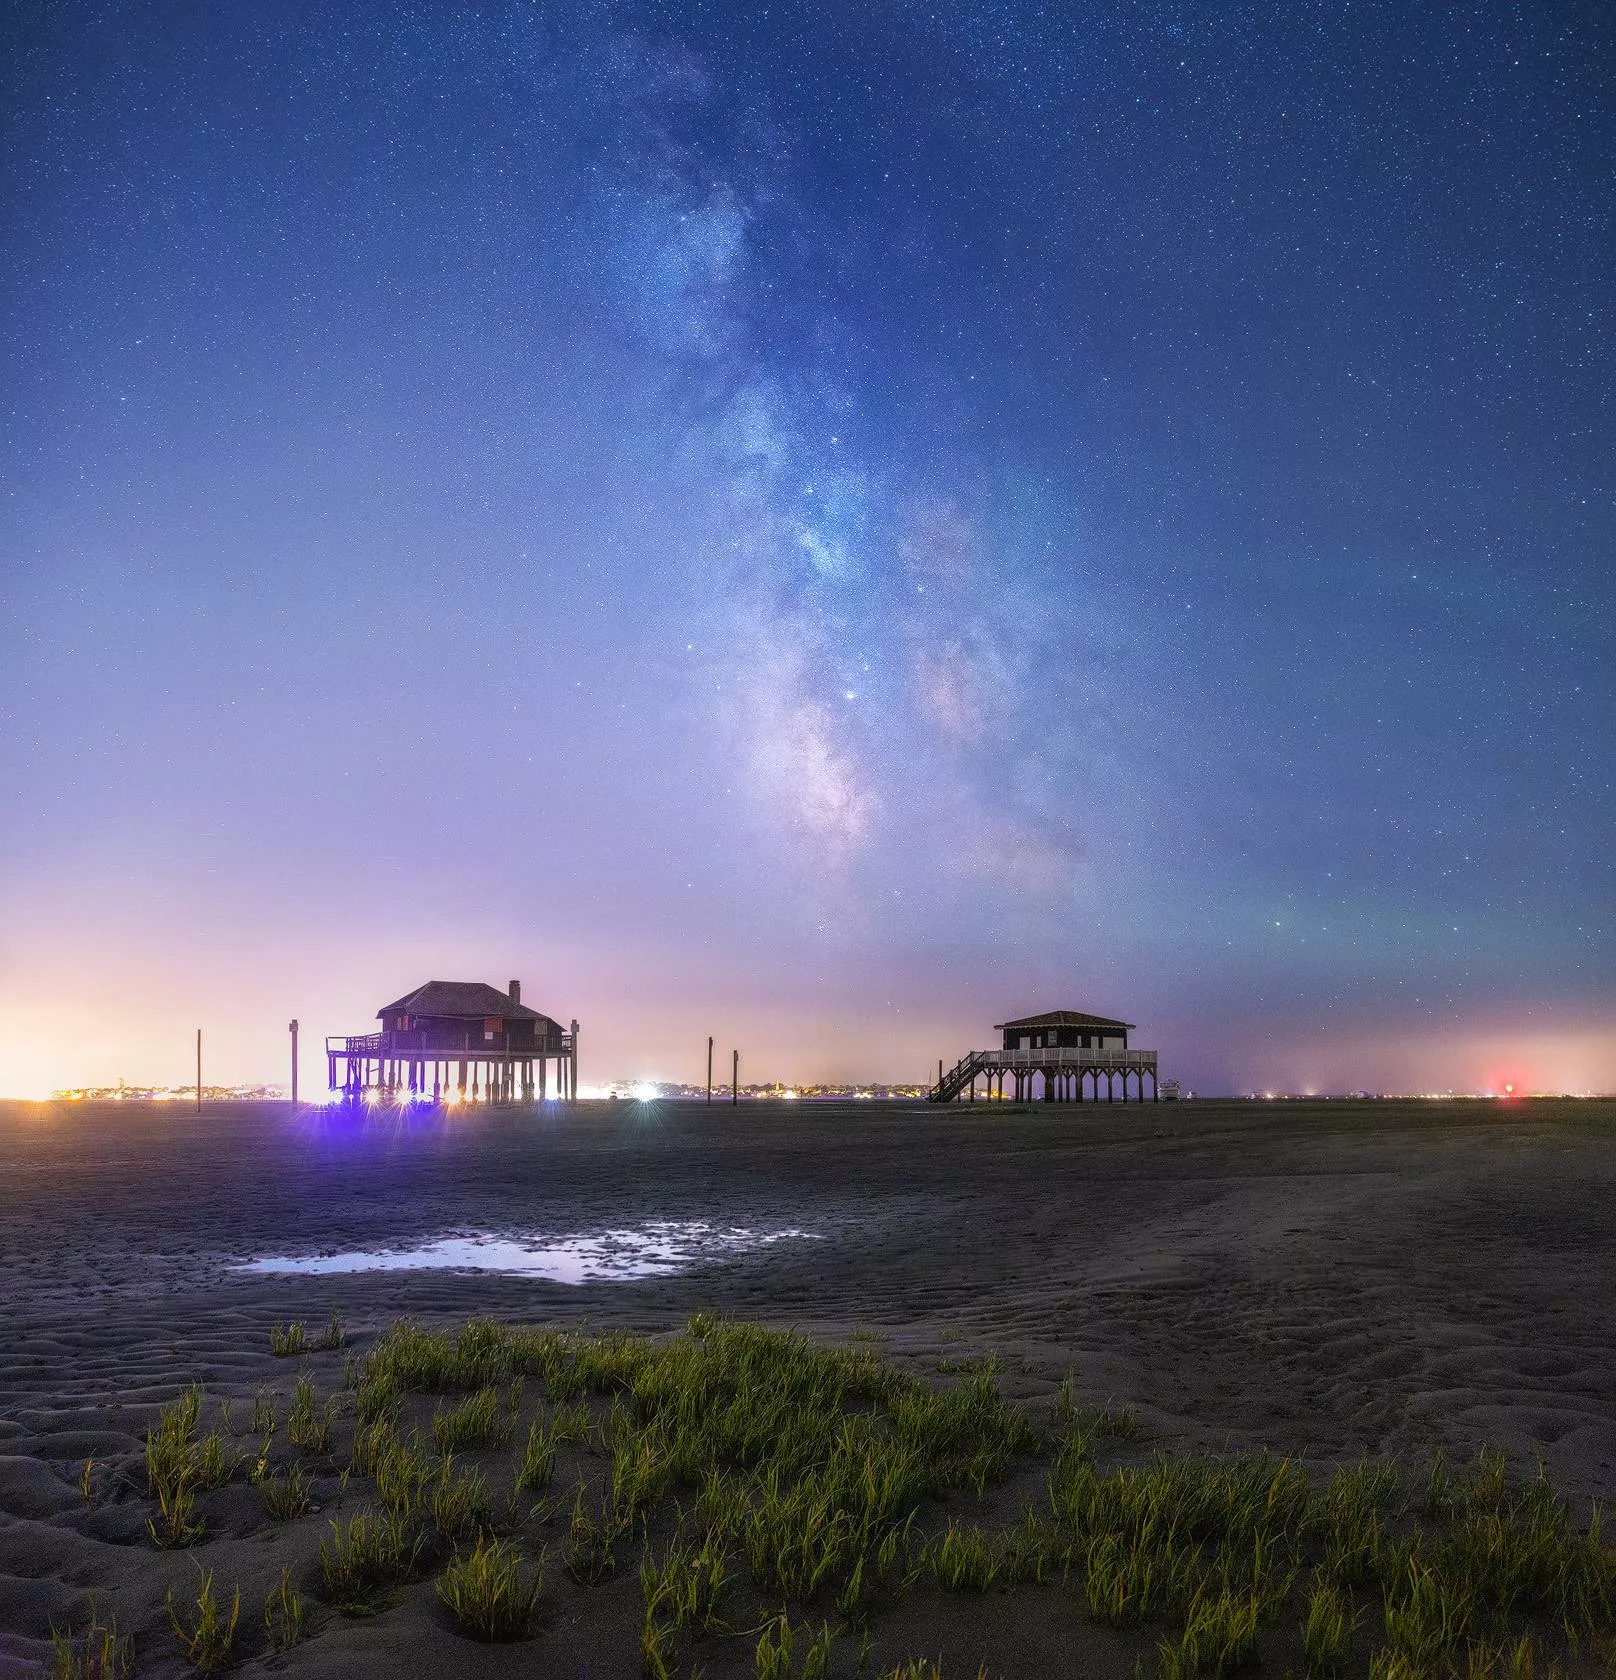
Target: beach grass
965,1559
100,1652
1220,1635
478,1421
461,1504
179,1467
1327,1628
308,1423
738,1465
401,1470
793,1653
208,1630
682,1587
283,1613
366,1559
486,1594
538,1458
288,1341
288,1495
590,1553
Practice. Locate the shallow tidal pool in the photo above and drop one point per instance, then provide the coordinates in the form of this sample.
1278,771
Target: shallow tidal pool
662,1248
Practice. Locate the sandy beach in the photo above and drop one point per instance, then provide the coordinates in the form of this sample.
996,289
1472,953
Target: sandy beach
1320,1280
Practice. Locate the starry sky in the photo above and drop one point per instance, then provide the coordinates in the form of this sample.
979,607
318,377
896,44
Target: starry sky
827,525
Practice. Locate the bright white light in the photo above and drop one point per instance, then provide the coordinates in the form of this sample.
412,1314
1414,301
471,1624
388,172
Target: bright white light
788,1094
454,1098
646,1093
373,1097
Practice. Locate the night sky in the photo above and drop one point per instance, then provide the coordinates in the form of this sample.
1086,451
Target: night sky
827,525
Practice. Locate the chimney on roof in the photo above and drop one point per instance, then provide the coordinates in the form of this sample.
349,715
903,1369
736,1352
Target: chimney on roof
516,991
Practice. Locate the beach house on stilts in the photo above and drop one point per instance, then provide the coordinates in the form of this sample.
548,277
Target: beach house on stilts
458,1041
1061,1056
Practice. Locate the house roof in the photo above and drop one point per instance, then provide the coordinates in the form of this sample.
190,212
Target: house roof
1064,1018
469,999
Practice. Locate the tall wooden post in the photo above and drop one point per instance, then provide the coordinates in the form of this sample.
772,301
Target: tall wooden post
572,1083
294,1061
199,1070
735,1079
709,1070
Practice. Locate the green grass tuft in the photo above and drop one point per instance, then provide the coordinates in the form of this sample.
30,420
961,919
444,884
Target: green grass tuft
538,1459
308,1424
287,1496
363,1562
1220,1635
179,1467
1327,1629
486,1594
461,1504
965,1560
590,1554
209,1636
287,1341
283,1613
682,1588
98,1653
476,1422
782,1655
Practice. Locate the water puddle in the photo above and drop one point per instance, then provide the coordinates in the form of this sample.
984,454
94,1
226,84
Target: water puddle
660,1249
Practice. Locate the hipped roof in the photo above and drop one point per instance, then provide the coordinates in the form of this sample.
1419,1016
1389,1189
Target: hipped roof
469,999
1063,1018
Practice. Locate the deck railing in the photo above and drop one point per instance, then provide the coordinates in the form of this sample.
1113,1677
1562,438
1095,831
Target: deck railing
1064,1057
467,1045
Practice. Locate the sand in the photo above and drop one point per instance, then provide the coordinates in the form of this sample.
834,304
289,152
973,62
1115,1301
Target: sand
1315,1279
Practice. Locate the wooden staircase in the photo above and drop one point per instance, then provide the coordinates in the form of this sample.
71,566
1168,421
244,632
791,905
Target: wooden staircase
959,1076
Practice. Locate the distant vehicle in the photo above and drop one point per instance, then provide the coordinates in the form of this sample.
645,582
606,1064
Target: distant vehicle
1169,1090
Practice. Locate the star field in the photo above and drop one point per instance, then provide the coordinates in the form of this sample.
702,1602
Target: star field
826,525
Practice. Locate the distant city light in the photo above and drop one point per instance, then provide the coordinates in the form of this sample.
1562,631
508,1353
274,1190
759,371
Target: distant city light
646,1093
